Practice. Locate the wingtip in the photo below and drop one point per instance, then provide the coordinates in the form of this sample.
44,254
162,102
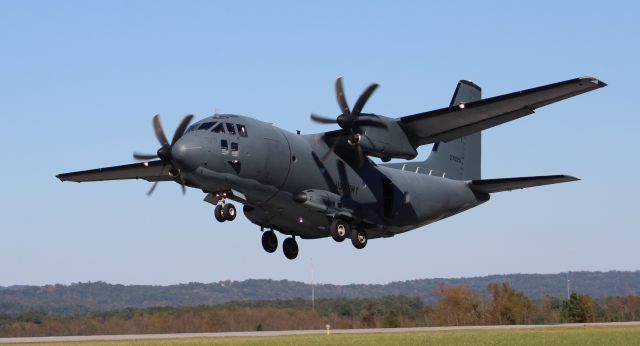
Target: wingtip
595,80
571,178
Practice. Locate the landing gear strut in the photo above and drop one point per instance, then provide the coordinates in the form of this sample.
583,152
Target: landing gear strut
225,212
290,248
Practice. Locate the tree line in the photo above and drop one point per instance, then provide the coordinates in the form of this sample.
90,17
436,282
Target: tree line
456,305
85,297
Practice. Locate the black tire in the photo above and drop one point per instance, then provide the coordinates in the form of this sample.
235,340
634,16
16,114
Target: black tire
229,212
339,230
219,213
269,241
290,248
359,238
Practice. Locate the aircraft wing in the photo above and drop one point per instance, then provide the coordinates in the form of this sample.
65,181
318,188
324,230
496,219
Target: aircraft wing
149,171
446,124
509,184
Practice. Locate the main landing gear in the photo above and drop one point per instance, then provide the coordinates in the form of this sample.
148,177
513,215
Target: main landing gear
270,244
225,212
340,229
290,248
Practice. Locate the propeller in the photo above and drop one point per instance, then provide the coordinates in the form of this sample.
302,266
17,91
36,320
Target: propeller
350,121
164,153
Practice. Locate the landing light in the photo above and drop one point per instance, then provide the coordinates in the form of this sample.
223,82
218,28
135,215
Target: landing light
146,164
300,220
461,106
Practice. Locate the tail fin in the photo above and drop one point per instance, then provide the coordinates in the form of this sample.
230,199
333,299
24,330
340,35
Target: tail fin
460,158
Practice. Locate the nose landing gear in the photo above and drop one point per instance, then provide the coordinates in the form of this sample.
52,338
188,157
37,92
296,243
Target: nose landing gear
225,212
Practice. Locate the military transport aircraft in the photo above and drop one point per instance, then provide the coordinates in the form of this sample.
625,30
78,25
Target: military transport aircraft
321,185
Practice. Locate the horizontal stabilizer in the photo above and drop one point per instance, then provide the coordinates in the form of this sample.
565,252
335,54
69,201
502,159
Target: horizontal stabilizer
508,184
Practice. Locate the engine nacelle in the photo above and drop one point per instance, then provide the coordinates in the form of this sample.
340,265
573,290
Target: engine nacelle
388,143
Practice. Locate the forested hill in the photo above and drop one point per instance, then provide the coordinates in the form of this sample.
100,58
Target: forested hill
94,296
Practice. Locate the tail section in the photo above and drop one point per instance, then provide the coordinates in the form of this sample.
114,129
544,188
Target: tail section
460,158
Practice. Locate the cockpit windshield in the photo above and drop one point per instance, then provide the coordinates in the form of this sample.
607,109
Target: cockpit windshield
205,126
218,128
231,129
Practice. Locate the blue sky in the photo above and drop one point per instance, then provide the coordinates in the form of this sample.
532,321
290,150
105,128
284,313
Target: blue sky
80,81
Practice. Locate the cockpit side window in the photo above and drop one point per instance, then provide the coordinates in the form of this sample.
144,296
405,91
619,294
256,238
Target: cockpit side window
234,149
242,130
224,147
231,128
218,128
191,128
205,126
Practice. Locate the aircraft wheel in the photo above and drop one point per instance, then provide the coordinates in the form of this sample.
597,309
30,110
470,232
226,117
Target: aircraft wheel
229,212
339,230
290,248
219,213
359,238
269,241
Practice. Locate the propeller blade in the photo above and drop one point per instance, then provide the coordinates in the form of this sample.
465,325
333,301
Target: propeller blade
182,184
322,120
153,187
157,128
342,99
144,157
360,156
364,97
330,151
181,128
371,121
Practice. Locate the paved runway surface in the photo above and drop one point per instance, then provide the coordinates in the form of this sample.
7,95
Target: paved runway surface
298,332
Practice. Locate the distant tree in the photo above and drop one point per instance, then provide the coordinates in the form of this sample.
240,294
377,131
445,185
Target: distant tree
578,309
548,310
391,320
457,306
507,306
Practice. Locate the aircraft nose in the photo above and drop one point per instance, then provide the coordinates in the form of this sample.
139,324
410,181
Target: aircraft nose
188,152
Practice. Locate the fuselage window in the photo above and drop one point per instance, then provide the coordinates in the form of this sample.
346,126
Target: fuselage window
218,128
205,126
234,149
242,130
231,128
224,147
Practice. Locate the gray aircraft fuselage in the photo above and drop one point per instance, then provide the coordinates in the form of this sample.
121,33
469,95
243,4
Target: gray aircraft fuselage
322,185
264,167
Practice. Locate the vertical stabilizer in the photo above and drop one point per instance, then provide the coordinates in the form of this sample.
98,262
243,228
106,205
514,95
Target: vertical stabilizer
460,158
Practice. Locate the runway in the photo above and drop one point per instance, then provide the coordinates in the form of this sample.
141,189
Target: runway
298,332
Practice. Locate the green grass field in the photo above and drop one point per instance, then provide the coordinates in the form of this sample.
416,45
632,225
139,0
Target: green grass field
564,336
